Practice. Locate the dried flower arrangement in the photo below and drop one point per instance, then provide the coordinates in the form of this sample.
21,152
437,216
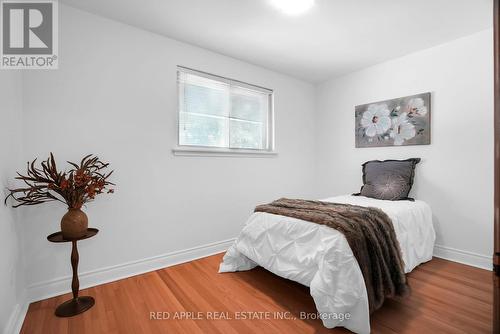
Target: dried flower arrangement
80,185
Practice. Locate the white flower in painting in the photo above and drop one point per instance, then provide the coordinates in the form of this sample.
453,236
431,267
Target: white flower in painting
402,129
376,120
416,107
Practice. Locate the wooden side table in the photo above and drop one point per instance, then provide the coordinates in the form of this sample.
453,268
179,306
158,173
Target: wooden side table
76,305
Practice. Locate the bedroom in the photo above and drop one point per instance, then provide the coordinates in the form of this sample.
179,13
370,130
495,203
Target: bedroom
117,88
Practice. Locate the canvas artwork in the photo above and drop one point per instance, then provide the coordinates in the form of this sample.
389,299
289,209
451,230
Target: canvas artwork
397,122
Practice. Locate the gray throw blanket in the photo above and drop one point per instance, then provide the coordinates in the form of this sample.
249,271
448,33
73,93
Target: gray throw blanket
370,234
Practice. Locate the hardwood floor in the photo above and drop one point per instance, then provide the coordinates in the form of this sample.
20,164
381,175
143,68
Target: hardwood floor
446,297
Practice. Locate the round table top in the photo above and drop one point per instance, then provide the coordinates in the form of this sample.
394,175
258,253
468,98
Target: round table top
57,237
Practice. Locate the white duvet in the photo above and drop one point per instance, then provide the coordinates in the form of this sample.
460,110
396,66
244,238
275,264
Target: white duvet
320,257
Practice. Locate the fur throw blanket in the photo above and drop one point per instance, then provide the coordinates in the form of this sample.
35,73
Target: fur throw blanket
370,234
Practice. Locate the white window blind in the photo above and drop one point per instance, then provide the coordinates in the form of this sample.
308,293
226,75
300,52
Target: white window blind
216,112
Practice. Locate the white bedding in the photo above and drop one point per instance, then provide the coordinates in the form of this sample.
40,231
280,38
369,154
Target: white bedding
320,257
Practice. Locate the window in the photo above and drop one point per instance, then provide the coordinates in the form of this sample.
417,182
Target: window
217,114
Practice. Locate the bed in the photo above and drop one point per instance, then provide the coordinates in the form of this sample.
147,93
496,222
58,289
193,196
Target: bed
320,257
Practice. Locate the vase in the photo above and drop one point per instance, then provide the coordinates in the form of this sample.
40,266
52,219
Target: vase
74,224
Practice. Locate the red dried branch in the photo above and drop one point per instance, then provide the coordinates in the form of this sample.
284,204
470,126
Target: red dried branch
75,187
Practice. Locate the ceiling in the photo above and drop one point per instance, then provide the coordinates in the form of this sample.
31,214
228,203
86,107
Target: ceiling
332,38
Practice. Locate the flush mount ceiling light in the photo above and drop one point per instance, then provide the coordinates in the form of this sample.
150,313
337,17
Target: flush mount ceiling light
292,7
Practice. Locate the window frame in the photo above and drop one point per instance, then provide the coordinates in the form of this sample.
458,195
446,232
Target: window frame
193,150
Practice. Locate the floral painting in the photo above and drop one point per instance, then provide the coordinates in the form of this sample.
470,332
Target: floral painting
397,122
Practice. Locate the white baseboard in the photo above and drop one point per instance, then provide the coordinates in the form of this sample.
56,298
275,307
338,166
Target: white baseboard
92,278
17,316
58,286
464,257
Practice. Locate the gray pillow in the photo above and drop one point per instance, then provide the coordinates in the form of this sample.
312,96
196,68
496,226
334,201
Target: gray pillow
389,179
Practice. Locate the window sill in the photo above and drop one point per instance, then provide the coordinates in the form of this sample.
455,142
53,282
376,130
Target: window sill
214,152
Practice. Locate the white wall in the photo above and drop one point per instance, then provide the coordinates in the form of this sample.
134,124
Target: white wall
456,173
11,272
115,95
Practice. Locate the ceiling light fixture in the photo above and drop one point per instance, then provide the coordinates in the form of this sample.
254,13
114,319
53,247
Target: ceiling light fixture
293,7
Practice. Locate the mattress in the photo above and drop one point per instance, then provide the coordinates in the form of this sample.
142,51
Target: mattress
320,257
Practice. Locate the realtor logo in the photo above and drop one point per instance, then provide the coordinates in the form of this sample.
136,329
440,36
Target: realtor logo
29,34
